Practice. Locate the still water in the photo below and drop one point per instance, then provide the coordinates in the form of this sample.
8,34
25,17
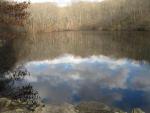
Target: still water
108,67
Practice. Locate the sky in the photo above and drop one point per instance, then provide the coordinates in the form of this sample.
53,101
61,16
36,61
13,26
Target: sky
59,2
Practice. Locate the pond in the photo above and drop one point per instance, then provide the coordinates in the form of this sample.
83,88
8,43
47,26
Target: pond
71,67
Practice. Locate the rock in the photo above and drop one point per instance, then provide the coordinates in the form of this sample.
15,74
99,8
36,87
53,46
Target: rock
19,110
66,108
137,110
14,111
39,109
4,102
95,107
9,106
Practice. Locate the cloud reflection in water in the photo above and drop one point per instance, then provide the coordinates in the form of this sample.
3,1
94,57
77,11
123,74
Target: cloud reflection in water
71,79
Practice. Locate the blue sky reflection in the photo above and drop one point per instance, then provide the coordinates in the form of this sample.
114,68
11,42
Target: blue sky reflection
124,83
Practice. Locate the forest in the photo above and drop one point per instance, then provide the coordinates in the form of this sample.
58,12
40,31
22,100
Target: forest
109,15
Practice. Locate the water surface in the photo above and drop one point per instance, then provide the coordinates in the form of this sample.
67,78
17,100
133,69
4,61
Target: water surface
108,67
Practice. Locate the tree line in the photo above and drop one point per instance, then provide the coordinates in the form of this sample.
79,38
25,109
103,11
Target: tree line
106,15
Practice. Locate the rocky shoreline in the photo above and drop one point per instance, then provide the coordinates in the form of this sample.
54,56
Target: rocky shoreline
9,106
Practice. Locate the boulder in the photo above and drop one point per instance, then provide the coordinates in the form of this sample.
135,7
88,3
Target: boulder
96,107
137,110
